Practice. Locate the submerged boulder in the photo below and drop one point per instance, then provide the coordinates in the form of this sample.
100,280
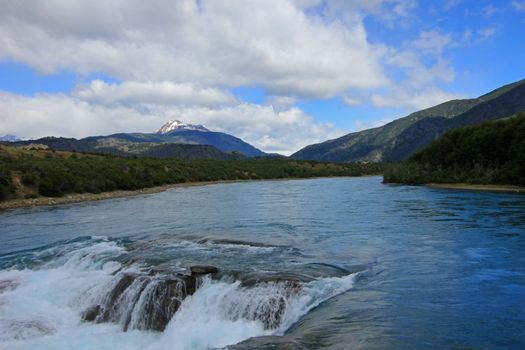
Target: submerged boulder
203,269
91,313
141,301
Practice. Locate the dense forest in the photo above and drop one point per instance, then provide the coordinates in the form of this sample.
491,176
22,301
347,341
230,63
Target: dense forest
33,173
488,153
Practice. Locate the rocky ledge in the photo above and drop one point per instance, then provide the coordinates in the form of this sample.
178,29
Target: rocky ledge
145,300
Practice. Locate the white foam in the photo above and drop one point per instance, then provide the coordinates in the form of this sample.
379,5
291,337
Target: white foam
201,323
41,308
221,313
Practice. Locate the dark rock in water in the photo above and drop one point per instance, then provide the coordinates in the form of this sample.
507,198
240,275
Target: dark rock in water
126,280
141,301
272,313
228,241
149,299
7,285
203,270
269,303
269,343
91,313
161,302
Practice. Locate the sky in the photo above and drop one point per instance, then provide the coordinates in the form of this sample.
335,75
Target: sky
280,74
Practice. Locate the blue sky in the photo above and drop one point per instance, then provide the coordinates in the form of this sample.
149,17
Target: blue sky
311,71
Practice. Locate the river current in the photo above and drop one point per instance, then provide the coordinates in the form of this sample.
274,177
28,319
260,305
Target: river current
344,263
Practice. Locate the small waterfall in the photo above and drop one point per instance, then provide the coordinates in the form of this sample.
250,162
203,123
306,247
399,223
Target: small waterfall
138,301
221,313
144,302
129,304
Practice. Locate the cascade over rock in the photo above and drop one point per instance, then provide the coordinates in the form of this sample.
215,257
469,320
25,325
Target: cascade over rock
139,301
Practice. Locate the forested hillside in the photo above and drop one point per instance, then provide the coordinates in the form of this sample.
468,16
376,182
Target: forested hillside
488,153
401,138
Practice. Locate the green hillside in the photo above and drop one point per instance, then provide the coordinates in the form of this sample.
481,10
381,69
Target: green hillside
488,153
403,137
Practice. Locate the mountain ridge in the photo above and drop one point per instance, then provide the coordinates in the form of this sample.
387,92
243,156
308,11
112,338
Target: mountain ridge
174,139
402,137
9,138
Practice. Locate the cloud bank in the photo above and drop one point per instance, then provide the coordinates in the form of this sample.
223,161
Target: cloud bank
181,59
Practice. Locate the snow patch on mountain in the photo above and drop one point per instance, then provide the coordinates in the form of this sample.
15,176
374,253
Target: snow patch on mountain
175,125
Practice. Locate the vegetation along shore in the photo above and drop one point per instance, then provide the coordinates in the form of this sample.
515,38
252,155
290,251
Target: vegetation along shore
491,153
32,177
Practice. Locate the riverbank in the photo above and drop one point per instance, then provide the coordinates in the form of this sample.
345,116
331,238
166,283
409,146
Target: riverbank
89,197
486,188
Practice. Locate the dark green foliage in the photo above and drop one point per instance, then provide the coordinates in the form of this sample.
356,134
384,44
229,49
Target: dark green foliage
58,174
488,153
6,184
188,151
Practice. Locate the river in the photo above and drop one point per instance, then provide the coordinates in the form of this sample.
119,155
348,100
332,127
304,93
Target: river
340,263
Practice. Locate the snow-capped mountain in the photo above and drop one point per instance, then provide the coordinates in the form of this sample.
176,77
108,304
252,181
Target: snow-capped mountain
173,140
177,131
175,125
9,138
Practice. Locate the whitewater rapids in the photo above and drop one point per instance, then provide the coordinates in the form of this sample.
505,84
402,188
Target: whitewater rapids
43,297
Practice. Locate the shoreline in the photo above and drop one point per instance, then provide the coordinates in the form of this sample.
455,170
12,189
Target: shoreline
483,188
93,197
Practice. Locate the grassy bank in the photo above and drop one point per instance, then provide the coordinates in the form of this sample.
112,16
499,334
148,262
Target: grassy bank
484,188
30,174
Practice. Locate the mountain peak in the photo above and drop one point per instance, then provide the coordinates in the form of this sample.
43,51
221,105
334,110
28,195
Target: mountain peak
176,125
9,138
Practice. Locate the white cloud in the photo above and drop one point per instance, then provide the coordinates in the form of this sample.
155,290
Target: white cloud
280,103
404,7
487,32
467,35
519,5
418,74
432,42
489,11
390,12
413,99
350,101
62,115
450,4
164,93
178,59
422,66
477,37
228,43
273,131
